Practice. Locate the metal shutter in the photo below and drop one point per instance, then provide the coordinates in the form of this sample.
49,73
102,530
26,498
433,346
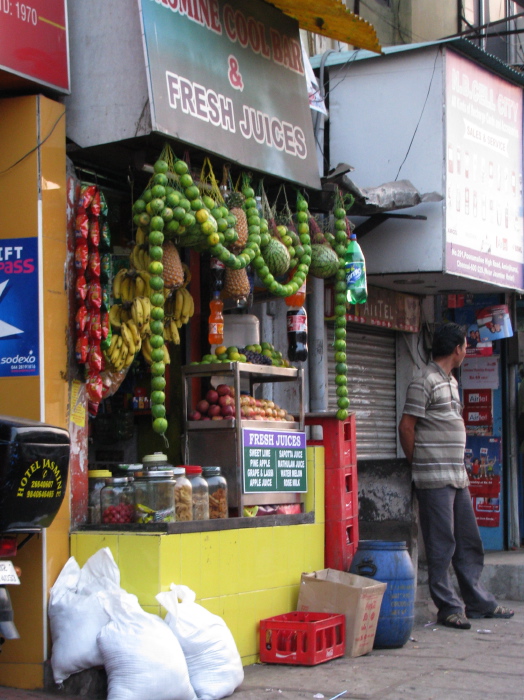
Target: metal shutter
371,361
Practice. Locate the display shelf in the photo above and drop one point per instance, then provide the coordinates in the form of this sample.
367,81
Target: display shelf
219,443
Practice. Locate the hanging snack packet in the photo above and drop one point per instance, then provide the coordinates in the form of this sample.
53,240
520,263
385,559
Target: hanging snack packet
94,233
81,287
81,223
82,348
81,254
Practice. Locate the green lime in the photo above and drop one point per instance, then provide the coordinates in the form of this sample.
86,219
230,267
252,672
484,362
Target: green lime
157,340
160,425
139,206
167,214
343,402
340,356
157,283
160,166
192,192
181,167
157,354
341,380
157,299
156,238
156,252
158,369
156,205
340,345
157,313
342,414
158,191
158,383
186,181
173,200
157,223
146,196
157,328
341,368
155,268
158,410
342,391
161,179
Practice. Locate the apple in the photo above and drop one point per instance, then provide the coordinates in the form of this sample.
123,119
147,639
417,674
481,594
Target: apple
214,410
202,406
224,390
195,415
217,418
226,400
227,410
206,418
212,396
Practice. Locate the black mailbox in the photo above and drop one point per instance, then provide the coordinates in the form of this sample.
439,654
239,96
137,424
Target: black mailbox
34,463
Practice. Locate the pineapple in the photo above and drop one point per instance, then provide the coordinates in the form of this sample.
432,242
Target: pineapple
173,270
234,203
236,284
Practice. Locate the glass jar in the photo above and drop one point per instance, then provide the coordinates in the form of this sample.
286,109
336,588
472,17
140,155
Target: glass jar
200,492
117,501
155,496
183,495
157,460
217,486
96,482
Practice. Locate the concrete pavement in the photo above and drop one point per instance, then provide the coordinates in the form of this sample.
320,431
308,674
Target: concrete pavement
436,664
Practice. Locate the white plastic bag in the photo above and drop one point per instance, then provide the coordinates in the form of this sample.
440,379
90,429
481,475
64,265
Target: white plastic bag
215,666
76,615
142,657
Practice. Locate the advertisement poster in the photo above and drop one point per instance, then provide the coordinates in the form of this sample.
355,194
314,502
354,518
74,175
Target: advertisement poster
33,41
484,216
483,461
274,460
244,96
19,307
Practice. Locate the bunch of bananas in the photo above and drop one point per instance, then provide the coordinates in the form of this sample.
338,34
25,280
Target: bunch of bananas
139,257
128,284
147,350
180,306
124,346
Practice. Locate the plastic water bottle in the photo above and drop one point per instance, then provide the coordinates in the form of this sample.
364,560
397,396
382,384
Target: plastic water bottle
355,265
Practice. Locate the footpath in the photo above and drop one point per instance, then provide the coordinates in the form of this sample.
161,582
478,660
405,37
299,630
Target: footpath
437,663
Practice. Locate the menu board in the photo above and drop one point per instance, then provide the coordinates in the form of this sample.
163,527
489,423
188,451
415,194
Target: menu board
274,461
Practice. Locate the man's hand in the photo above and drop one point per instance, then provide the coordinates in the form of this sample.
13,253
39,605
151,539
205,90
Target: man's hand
406,433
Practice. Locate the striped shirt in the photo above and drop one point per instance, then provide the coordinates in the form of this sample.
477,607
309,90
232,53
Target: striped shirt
440,434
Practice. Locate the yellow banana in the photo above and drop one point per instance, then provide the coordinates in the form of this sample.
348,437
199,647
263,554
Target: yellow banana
178,322
116,350
117,281
140,236
124,352
175,335
167,333
186,306
140,286
125,290
114,315
127,336
179,303
138,313
125,313
167,358
144,274
108,351
129,360
191,302
134,330
146,351
146,305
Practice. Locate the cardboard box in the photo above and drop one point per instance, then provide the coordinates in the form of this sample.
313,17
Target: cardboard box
357,597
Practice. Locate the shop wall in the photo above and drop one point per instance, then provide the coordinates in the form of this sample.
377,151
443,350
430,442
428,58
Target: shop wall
243,575
375,110
33,204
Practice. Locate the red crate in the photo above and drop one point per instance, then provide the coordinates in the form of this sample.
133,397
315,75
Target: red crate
341,499
305,638
341,542
339,439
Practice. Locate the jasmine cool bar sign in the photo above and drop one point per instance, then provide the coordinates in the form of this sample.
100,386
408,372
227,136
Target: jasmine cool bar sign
274,460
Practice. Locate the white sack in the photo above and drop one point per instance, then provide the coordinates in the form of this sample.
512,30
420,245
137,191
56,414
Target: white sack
142,657
215,666
76,615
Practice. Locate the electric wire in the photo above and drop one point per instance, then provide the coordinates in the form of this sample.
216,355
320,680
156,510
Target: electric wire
32,150
421,113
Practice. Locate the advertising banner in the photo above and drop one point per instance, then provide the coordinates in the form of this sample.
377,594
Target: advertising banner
483,461
19,307
274,460
229,78
33,41
484,216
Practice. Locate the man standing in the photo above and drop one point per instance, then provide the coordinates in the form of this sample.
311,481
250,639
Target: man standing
433,437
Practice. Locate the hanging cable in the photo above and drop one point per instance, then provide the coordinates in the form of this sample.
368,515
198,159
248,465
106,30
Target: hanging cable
40,143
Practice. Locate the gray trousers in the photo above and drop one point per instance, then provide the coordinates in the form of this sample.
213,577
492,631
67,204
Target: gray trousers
451,536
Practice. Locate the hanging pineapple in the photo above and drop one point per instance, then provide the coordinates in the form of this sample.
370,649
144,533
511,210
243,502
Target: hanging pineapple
235,203
173,270
236,284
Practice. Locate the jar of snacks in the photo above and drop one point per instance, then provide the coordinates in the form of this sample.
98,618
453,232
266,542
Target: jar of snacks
155,496
217,487
117,501
157,460
96,482
183,495
200,492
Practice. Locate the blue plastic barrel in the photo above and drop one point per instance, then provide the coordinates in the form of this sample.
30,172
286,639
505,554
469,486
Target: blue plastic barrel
390,563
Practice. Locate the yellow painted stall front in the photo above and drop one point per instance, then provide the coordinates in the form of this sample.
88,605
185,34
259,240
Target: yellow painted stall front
243,575
33,205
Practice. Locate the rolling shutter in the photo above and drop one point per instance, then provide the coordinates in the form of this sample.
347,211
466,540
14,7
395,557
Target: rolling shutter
371,361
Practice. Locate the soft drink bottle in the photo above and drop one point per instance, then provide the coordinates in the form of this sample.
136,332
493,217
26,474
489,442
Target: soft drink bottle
218,271
297,334
355,265
216,320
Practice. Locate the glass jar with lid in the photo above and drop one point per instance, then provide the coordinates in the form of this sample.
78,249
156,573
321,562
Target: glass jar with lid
96,482
117,501
155,496
157,460
200,492
183,495
217,486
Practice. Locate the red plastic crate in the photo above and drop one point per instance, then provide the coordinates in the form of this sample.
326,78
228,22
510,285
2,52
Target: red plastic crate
304,638
341,499
341,542
339,439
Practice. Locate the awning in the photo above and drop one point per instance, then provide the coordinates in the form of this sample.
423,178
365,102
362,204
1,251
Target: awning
331,19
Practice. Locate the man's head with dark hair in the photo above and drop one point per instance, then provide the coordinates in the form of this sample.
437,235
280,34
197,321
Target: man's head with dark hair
446,338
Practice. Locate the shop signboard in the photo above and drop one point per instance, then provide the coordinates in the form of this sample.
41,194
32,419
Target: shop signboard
484,214
229,78
274,461
34,41
19,355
